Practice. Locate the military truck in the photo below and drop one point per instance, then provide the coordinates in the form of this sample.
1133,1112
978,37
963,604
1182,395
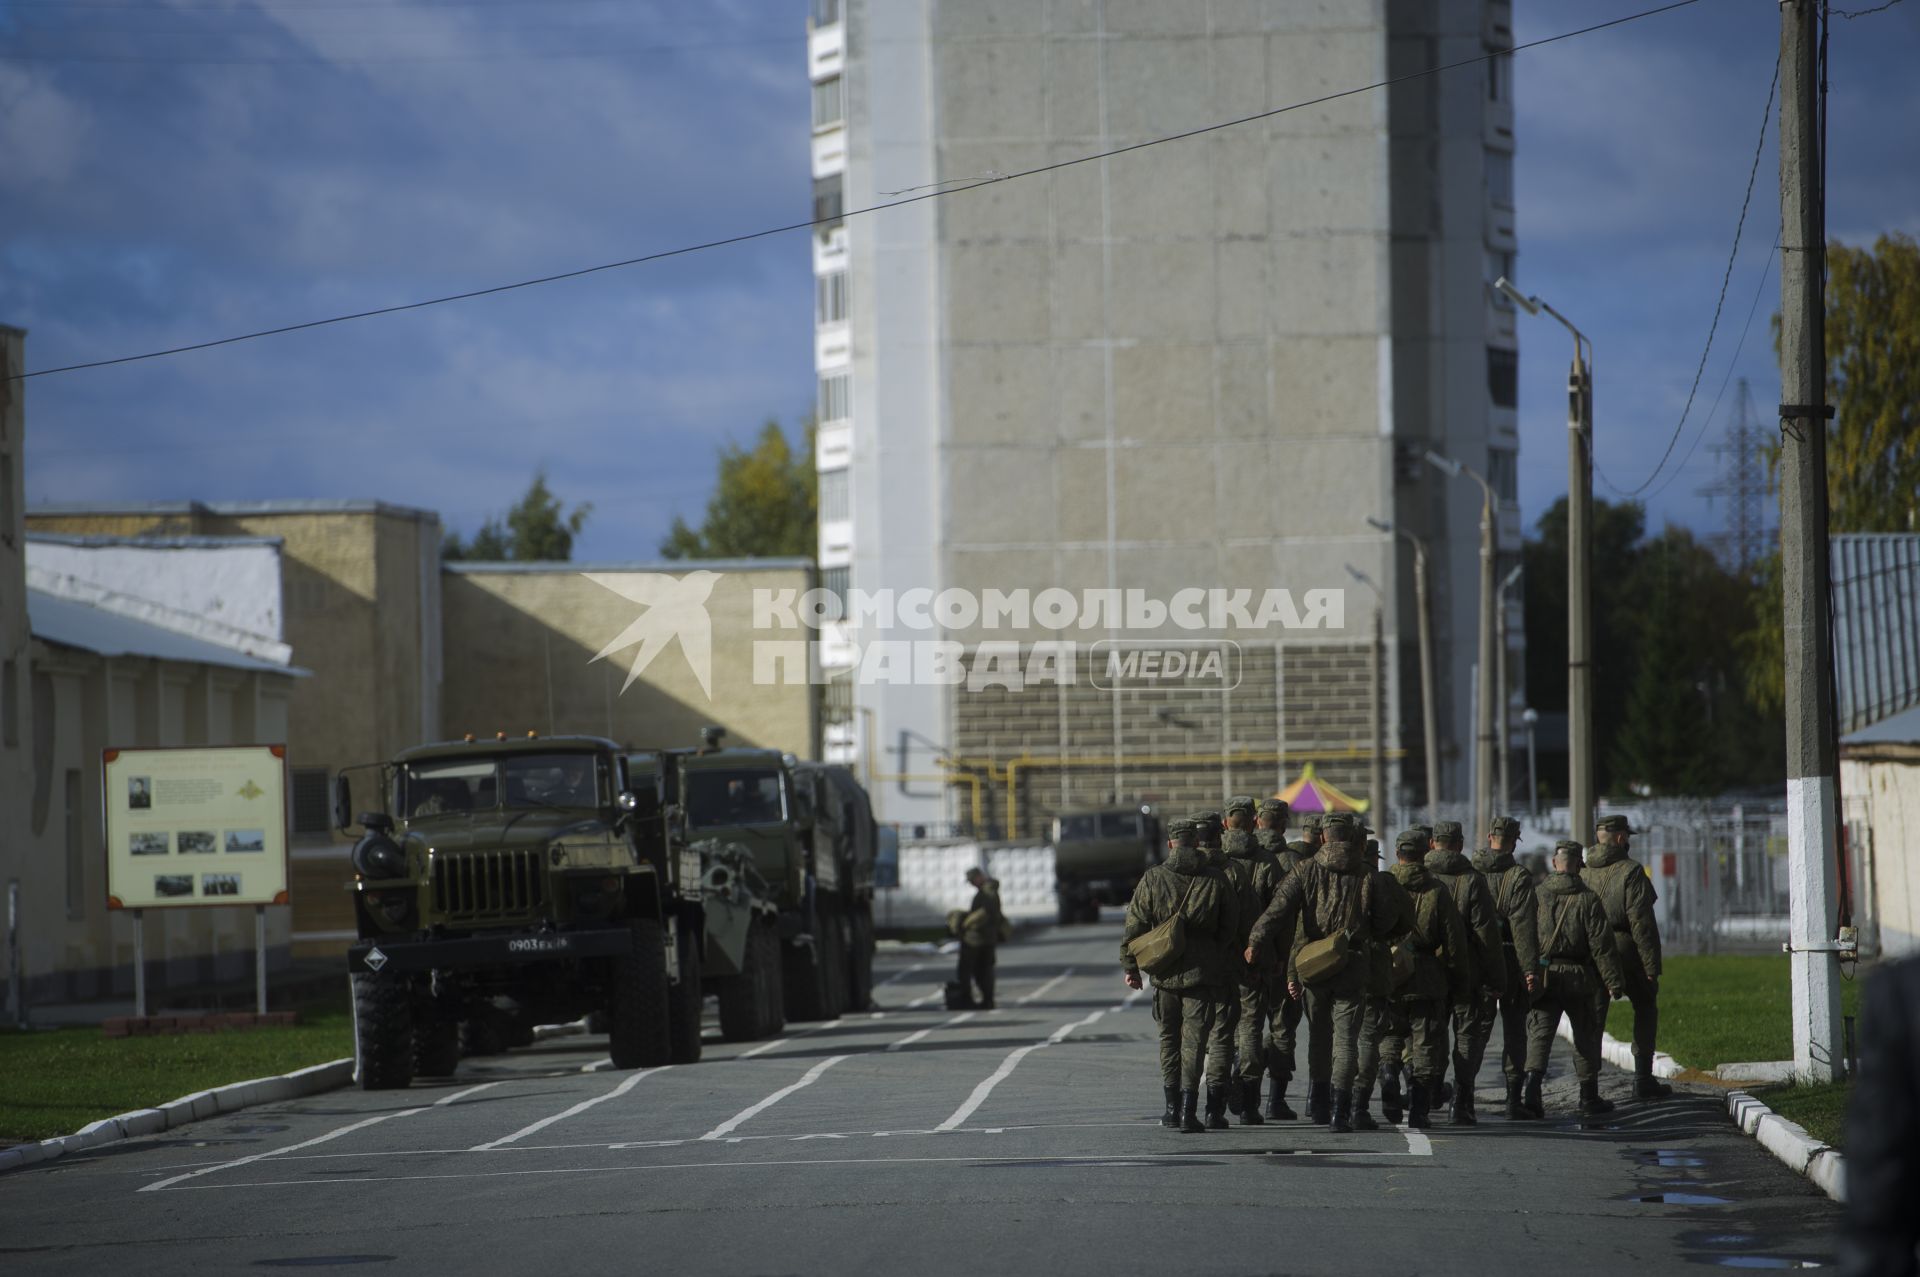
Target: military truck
810,829
514,882
1099,857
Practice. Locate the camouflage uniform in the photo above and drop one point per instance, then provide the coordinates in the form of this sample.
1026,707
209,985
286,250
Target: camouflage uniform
1284,1015
1188,999
1626,892
1487,967
1238,878
1513,905
1439,947
1377,1018
1579,967
1330,895
1261,872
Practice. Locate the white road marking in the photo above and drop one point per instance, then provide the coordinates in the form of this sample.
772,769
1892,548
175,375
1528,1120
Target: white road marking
1043,989
917,1034
334,1134
898,976
812,1075
581,1107
1008,1065
763,1048
1418,1145
461,1095
926,998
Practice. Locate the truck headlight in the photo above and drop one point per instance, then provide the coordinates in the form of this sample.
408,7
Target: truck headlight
394,908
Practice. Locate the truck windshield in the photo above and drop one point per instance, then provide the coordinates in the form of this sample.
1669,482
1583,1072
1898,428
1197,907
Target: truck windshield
719,798
442,786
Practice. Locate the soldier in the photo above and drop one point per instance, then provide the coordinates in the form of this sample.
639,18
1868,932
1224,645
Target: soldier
1435,964
1377,1025
1207,828
1261,874
1187,999
1270,831
1331,896
1578,968
979,938
1487,966
1313,836
1513,905
1626,891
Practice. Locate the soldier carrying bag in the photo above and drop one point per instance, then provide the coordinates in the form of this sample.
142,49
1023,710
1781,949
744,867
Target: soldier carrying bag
1321,959
1158,952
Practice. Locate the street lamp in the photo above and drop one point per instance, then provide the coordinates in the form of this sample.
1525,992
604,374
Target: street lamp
1483,744
1378,767
1579,564
1428,722
1500,682
1530,716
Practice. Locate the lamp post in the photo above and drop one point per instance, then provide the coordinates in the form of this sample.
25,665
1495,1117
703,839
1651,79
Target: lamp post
1530,716
1500,682
1377,770
1483,742
1429,724
1580,799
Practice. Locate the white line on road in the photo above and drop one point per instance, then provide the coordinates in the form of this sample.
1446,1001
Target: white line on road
1418,1145
1043,989
763,1048
255,1157
461,1095
1008,1065
898,976
917,1034
925,998
581,1107
745,1114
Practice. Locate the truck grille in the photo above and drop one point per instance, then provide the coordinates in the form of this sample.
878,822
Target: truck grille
488,884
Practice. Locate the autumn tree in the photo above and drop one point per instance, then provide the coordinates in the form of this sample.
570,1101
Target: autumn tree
537,529
764,504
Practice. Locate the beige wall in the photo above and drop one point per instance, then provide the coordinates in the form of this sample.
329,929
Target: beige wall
1887,790
521,642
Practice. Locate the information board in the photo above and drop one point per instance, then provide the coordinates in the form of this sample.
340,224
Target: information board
196,826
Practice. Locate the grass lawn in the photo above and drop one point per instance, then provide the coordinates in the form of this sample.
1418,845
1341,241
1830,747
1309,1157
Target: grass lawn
1821,1108
58,1080
1725,1009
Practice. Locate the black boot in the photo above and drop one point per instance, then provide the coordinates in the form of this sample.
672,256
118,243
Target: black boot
1462,1113
1646,1086
1190,1113
1217,1106
1516,1111
1362,1102
1420,1104
1278,1109
1171,1118
1236,1101
1591,1105
1319,1110
1392,1103
1342,1113
1250,1102
1531,1100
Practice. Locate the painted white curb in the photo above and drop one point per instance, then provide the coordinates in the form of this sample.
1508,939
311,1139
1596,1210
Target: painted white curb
1824,1164
1620,1054
188,1108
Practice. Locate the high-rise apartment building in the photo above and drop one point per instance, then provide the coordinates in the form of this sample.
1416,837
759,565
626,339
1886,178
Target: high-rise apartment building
1197,365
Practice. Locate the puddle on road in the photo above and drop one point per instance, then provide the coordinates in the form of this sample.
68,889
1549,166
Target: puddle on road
1729,1239
1760,1261
1681,1199
323,1261
1668,1157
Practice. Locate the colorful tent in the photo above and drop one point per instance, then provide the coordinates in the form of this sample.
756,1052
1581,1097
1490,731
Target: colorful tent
1310,793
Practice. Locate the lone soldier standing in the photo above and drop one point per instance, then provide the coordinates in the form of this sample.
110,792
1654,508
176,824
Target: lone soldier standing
1187,998
979,936
1331,896
1270,831
1261,872
1513,905
1626,890
1486,964
1439,946
1238,878
1579,971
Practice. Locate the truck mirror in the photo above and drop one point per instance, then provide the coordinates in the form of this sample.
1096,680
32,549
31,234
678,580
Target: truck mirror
342,804
627,802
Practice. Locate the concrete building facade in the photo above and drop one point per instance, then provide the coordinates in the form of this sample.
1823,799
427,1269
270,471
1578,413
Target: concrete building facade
1201,364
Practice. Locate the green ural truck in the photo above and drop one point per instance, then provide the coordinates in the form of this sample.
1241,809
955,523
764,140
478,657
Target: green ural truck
811,833
1099,857
519,882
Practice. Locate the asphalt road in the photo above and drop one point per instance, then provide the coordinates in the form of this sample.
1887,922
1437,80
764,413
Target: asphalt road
914,1140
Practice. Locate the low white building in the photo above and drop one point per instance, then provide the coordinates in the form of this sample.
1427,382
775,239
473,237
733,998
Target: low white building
1880,784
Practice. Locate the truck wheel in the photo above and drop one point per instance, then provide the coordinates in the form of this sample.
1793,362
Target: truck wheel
860,962
687,1001
639,1034
382,1031
436,1048
804,971
480,1035
750,1002
1069,911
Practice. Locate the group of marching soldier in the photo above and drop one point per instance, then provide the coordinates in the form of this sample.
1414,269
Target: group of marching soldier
1403,968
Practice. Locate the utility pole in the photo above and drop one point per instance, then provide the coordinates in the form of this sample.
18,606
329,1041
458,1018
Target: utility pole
1483,699
1378,772
1812,792
1580,795
1429,722
1503,697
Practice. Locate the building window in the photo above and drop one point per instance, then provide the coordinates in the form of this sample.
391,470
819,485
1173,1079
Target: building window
1500,178
312,800
1499,266
837,582
830,298
833,495
825,12
10,704
1500,77
1503,377
76,850
829,111
1503,466
835,393
827,202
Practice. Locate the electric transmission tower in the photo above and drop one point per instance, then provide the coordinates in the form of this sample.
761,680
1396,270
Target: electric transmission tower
1747,488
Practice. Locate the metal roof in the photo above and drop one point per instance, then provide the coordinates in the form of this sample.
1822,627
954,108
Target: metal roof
70,623
1901,729
674,567
287,505
95,541
1876,627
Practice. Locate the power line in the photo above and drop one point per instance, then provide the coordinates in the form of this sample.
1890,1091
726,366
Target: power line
1766,121
749,236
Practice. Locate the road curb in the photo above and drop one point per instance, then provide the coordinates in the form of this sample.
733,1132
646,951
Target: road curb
188,1108
1620,1054
1824,1164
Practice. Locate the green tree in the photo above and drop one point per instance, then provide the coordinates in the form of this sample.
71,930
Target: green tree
538,529
764,504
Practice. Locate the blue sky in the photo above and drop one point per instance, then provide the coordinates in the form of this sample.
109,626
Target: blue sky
175,171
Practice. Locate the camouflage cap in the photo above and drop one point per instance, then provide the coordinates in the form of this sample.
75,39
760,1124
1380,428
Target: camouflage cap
1239,802
1411,839
1273,809
1341,826
1314,823
1504,827
1448,829
1568,844
1179,828
1425,831
1206,827
1616,825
